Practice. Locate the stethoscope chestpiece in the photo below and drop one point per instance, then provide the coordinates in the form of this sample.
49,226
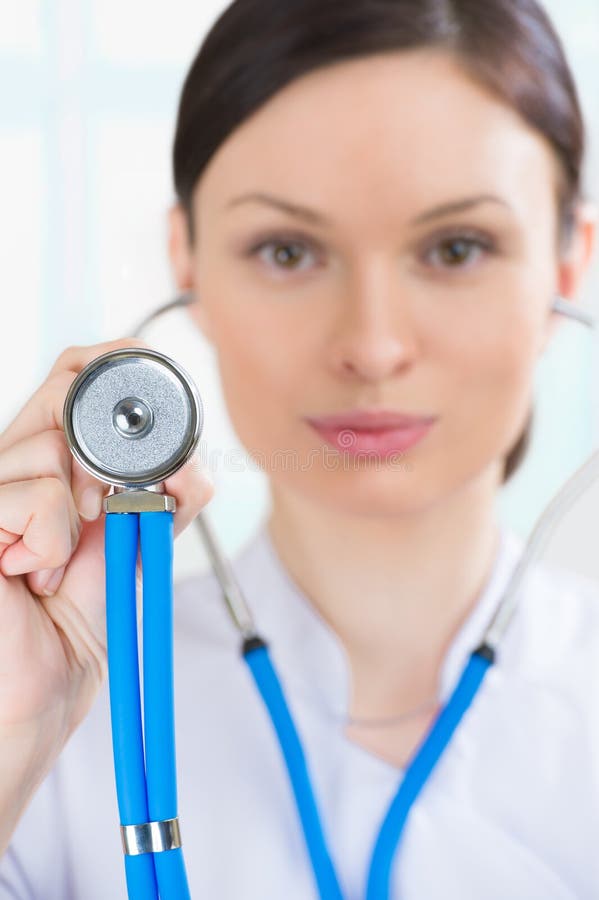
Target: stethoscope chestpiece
132,417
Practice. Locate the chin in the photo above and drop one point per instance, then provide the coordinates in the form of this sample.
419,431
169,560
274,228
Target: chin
379,492
412,485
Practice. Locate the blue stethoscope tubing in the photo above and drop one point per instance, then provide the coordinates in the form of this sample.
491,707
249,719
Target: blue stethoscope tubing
144,761
257,657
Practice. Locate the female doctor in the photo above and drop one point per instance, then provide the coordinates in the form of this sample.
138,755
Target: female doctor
377,203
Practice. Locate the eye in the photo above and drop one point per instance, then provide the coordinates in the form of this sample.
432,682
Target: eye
284,254
456,251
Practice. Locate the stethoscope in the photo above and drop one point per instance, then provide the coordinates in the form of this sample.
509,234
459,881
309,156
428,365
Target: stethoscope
132,418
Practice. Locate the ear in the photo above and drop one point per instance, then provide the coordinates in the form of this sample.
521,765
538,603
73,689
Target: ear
580,252
181,255
575,261
179,248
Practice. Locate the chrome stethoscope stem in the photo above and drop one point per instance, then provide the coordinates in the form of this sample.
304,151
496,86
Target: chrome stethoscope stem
181,300
234,600
560,503
557,507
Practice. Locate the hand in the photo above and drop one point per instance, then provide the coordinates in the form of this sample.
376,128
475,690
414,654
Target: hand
52,576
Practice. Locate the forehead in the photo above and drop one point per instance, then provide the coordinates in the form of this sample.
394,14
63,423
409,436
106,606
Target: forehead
403,127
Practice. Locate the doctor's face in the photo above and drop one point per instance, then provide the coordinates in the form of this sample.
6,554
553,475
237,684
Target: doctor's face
406,260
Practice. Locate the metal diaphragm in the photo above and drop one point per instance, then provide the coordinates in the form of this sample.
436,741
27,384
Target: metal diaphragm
132,417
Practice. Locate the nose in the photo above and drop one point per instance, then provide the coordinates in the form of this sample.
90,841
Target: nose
374,335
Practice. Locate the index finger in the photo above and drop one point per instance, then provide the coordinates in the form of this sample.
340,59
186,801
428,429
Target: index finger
44,409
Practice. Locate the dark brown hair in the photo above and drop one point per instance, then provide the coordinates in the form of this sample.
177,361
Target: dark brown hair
256,47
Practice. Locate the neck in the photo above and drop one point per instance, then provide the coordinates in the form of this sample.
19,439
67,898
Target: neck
394,589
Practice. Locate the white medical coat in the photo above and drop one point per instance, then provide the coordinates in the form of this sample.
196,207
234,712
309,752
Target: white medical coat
511,812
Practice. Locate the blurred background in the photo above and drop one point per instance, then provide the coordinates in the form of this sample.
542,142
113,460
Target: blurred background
88,99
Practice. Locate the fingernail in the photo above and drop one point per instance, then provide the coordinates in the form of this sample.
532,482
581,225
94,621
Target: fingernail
90,504
50,586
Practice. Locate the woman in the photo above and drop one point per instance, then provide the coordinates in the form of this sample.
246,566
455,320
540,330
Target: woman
377,204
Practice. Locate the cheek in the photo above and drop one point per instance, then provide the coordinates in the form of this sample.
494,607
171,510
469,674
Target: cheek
489,385
260,365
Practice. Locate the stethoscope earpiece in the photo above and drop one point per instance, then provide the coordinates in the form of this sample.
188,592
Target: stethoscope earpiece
567,308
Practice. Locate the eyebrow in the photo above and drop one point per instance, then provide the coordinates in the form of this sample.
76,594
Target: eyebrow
316,218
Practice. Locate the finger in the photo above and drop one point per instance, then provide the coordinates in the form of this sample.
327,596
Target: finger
43,454
44,410
192,487
77,357
47,455
39,513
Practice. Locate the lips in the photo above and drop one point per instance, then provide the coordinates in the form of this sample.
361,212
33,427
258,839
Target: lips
370,419
380,433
